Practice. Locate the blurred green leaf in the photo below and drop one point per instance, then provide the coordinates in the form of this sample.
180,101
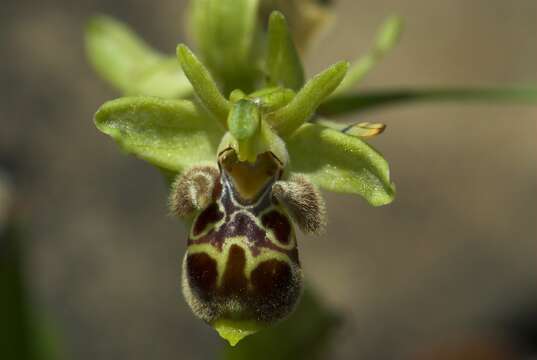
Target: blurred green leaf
283,63
129,64
387,38
362,101
23,334
170,134
203,84
305,335
15,328
225,34
289,118
341,163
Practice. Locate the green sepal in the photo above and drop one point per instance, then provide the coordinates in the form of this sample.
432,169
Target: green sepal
284,67
225,34
289,118
129,64
203,84
170,134
387,37
341,163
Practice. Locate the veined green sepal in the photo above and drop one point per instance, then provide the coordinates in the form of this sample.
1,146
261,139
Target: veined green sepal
341,163
170,134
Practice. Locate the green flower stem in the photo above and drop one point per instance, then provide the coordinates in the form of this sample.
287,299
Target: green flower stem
358,102
301,108
203,84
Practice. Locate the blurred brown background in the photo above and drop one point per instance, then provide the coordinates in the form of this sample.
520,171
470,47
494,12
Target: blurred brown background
456,250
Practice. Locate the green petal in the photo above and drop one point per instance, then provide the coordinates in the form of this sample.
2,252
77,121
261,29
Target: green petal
170,134
340,163
125,60
301,108
203,84
387,38
224,32
283,63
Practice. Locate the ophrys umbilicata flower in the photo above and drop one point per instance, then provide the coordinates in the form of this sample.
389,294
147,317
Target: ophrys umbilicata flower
246,155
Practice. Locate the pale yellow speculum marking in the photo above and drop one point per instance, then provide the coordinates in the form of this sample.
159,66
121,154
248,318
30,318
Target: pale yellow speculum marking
209,226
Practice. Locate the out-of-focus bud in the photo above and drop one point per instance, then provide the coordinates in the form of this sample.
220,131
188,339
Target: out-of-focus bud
307,18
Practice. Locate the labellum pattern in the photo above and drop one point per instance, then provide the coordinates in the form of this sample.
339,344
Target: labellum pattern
241,270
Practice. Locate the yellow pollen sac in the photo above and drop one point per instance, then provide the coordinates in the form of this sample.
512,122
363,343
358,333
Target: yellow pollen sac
234,331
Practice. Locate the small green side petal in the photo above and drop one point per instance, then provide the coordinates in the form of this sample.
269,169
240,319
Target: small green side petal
301,108
283,63
340,163
129,64
203,84
170,134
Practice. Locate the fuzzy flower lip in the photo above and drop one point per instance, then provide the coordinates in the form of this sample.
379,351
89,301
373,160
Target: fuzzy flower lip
175,134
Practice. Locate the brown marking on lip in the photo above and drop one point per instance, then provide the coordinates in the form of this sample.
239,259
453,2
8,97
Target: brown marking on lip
270,278
279,224
202,274
234,280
